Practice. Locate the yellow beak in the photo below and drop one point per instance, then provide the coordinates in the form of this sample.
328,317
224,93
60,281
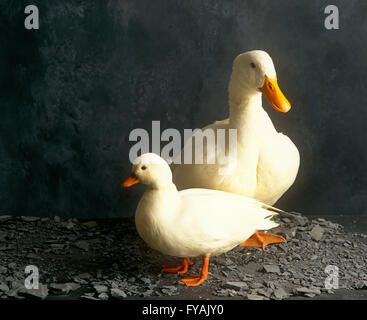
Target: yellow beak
274,95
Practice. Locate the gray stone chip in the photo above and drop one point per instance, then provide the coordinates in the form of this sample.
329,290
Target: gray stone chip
317,232
271,268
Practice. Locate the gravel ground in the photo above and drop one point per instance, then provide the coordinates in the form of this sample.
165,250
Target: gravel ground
106,259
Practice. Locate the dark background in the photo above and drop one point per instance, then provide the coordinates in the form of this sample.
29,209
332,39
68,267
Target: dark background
71,92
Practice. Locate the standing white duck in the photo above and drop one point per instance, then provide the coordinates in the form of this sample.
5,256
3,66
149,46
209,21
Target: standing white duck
191,223
267,162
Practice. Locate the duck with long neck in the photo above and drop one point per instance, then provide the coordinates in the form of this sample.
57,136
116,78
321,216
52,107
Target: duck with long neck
253,74
267,162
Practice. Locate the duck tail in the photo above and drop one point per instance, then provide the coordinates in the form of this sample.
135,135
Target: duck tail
274,211
267,223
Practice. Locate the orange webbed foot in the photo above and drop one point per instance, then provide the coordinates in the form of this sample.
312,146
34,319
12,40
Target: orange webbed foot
193,281
261,240
179,269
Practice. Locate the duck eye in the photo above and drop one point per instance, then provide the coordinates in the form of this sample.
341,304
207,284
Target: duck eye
252,65
143,167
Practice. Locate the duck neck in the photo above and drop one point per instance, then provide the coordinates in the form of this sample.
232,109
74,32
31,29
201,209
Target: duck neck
166,186
162,202
244,104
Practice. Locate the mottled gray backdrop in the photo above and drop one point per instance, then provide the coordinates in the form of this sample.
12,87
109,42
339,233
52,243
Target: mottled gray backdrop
71,92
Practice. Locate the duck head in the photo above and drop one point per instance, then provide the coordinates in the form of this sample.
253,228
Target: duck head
149,169
254,72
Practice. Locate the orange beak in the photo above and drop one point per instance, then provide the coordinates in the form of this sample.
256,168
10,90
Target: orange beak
130,181
274,95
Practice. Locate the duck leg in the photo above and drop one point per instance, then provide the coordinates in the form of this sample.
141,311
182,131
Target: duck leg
193,281
179,269
261,240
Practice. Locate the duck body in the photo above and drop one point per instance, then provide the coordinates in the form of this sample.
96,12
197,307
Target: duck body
266,162
190,223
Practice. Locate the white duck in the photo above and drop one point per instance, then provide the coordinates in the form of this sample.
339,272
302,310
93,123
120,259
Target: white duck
266,162
191,223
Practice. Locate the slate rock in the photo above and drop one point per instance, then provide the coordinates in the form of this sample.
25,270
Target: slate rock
237,285
289,232
252,267
5,218
169,290
271,268
3,236
41,292
302,260
101,288
147,293
68,225
4,288
29,218
316,232
146,280
13,293
57,246
12,265
82,244
118,293
84,275
300,220
361,284
89,297
65,287
265,292
280,293
222,293
255,297
80,281
103,296
255,285
247,277
271,284
305,290
90,224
